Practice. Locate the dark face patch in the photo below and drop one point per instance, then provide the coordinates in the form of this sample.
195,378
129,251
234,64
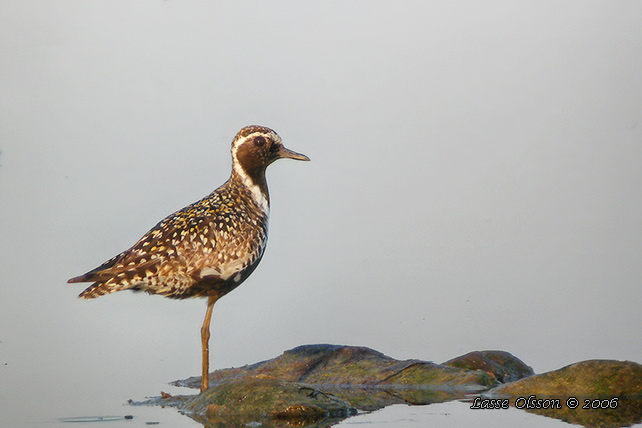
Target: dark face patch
256,154
274,148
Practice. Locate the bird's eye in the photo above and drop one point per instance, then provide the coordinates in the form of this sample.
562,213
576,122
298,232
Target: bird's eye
259,141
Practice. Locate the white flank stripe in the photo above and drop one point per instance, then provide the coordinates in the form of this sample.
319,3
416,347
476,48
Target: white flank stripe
209,271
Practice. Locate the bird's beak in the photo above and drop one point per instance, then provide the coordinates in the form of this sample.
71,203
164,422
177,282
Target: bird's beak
287,153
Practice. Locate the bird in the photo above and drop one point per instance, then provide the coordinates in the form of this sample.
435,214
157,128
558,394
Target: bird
208,248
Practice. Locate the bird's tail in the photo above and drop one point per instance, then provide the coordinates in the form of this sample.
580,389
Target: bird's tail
102,279
98,289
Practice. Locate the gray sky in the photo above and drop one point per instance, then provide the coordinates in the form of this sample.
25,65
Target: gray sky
474,184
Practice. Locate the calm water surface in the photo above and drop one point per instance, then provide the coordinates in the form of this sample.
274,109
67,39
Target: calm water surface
450,414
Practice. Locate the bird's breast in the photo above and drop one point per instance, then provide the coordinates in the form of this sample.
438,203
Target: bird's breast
237,249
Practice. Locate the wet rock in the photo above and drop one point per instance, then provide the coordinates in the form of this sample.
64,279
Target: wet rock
594,393
593,378
503,365
312,384
610,413
350,365
318,385
266,400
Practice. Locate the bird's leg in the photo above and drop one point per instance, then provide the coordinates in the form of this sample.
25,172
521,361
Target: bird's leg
205,340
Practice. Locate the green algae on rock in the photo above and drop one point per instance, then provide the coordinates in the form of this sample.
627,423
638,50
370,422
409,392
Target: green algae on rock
265,400
503,365
312,384
318,385
592,378
602,393
624,412
351,365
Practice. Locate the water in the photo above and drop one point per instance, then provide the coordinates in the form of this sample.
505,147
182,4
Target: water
451,414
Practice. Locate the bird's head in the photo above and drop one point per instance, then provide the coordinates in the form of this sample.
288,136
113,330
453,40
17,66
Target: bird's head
256,147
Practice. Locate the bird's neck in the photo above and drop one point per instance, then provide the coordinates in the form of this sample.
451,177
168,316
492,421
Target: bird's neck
256,184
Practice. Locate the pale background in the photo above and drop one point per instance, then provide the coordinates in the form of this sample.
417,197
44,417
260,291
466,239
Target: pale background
474,184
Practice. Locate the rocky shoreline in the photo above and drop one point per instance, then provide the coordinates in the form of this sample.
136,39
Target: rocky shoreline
319,385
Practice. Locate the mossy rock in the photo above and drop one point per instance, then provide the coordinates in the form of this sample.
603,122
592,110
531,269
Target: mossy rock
592,378
318,385
350,365
431,374
503,365
625,412
316,382
608,393
265,400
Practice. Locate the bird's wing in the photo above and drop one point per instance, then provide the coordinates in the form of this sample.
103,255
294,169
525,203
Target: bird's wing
168,246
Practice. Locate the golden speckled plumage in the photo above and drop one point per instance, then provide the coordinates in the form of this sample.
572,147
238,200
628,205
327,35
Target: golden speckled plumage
209,247
225,231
